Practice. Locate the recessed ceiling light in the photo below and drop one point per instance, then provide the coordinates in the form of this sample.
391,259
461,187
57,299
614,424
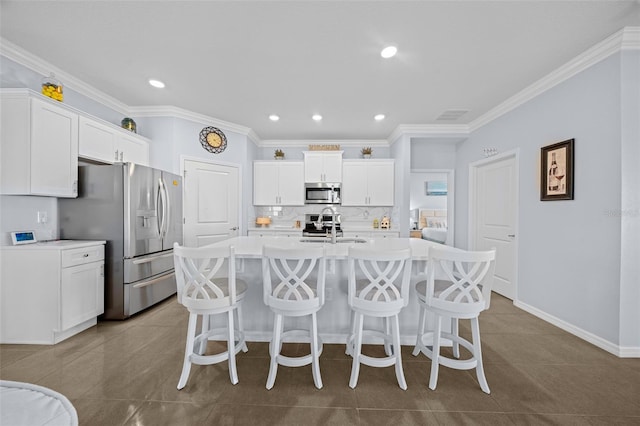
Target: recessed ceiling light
379,117
274,117
389,52
316,117
156,83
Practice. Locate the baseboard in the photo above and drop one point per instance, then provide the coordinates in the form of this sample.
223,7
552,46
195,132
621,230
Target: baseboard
621,352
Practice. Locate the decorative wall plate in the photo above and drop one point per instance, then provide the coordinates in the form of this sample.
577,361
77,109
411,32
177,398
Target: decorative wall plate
213,140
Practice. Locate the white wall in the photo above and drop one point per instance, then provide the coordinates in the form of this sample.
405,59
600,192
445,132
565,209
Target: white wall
569,251
19,213
418,197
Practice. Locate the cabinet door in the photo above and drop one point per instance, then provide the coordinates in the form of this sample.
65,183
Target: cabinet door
333,167
291,183
54,150
132,150
380,183
313,167
265,183
354,184
81,293
96,141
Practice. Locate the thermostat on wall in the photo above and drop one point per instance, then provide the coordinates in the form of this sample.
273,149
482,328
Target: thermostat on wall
23,237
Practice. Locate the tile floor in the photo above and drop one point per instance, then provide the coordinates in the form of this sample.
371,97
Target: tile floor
125,373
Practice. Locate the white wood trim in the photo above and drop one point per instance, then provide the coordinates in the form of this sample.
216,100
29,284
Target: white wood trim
619,351
626,38
471,220
304,143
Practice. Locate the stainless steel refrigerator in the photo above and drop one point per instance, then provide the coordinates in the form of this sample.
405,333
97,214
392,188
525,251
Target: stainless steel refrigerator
138,211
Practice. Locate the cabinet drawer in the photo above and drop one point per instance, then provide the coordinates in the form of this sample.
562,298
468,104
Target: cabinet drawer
79,256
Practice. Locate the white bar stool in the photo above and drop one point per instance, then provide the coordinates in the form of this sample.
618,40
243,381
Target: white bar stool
289,292
378,287
205,293
457,286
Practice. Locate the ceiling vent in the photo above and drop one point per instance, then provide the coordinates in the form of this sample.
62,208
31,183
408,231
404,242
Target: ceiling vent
452,114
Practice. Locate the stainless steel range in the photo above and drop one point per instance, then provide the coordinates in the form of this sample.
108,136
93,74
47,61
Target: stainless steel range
314,227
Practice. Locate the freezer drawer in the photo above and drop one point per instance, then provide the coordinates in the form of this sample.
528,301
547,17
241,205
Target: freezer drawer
143,267
145,293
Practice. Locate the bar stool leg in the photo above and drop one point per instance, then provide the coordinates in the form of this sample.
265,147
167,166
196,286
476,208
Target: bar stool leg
274,350
357,350
189,347
421,326
241,327
477,354
435,361
315,352
231,348
397,352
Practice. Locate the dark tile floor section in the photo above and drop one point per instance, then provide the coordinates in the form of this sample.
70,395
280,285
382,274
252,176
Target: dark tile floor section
125,373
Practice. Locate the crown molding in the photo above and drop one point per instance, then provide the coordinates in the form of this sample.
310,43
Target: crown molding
39,65
304,143
630,38
176,112
429,130
627,38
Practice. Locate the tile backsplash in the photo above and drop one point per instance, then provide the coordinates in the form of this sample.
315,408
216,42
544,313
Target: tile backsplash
355,216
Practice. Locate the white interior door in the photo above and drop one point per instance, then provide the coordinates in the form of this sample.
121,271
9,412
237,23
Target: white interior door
211,195
494,213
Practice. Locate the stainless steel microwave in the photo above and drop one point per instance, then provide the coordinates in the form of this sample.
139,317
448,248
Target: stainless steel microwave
322,193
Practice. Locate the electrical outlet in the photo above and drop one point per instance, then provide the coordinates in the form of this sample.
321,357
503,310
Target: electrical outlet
42,217
328,293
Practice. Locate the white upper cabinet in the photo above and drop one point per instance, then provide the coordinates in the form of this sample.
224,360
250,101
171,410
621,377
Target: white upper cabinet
367,183
278,183
109,144
131,148
39,149
323,166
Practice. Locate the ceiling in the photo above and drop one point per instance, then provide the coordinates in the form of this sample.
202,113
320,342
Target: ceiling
240,61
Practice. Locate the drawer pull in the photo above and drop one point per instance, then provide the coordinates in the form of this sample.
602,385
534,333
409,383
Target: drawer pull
151,259
85,255
146,283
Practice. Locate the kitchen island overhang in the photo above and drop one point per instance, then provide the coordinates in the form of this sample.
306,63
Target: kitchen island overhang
334,317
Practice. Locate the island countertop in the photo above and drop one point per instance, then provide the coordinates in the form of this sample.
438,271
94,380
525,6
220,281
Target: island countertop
251,247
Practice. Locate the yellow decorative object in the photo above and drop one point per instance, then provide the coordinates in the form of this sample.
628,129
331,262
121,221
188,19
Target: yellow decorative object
375,223
52,88
335,147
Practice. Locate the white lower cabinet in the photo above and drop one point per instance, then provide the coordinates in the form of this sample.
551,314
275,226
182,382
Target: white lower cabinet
50,291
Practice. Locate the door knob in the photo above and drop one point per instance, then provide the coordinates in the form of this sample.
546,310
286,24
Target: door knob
235,228
511,235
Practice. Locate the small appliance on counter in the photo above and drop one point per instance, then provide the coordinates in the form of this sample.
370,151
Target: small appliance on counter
320,228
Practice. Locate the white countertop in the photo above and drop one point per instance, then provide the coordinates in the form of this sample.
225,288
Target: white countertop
251,247
54,245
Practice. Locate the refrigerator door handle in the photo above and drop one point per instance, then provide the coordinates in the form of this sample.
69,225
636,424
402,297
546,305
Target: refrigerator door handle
162,195
167,208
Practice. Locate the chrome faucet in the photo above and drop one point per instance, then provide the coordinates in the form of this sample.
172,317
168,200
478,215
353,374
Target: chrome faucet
334,217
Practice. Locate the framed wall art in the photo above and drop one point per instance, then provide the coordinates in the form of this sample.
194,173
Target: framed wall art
556,174
438,187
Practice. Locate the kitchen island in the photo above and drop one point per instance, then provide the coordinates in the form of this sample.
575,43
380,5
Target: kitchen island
334,317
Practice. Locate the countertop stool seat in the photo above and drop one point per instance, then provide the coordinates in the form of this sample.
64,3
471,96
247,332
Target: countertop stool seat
207,286
378,287
293,286
457,285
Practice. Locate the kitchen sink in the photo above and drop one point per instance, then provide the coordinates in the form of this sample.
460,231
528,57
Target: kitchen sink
328,240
